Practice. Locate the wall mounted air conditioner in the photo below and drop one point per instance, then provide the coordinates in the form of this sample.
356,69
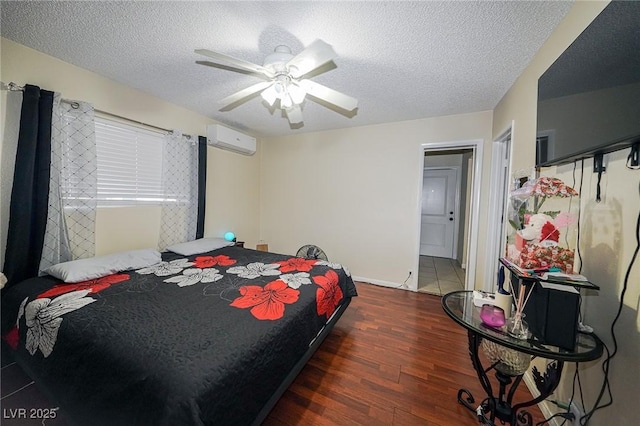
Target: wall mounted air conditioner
231,140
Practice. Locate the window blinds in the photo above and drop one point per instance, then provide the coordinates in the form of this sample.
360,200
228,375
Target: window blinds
129,164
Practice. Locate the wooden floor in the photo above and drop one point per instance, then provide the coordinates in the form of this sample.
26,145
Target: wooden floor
394,358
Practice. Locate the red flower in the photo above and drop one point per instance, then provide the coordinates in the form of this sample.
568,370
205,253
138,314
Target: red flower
328,294
94,286
266,303
297,264
209,261
12,337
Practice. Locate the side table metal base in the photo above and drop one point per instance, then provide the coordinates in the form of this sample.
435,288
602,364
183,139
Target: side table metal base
500,407
487,415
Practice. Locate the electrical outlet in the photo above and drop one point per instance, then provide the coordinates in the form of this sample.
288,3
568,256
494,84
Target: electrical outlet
577,413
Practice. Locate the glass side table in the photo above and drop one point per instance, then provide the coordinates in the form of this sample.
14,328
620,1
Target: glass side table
510,359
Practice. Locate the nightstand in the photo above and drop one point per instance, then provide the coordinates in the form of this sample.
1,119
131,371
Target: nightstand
239,244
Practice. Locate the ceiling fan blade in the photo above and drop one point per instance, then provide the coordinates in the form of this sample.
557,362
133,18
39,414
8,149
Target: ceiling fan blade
331,96
238,63
234,100
294,114
315,55
234,69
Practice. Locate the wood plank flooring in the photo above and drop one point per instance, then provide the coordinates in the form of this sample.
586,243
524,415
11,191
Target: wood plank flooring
394,358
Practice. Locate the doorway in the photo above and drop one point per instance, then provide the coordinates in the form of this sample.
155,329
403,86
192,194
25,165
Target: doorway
444,218
448,211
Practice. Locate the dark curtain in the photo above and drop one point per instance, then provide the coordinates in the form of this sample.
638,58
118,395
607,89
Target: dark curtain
202,183
30,192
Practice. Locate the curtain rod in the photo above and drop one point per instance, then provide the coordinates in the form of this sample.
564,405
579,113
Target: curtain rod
74,104
13,87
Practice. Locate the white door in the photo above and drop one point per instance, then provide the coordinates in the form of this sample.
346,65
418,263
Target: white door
438,215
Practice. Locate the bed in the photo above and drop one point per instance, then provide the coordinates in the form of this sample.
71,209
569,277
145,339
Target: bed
208,338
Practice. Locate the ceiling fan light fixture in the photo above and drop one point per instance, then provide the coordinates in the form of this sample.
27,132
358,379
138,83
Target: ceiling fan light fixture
297,93
286,101
285,79
294,114
270,94
287,92
280,88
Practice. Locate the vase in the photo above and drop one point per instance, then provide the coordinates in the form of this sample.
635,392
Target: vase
517,327
505,360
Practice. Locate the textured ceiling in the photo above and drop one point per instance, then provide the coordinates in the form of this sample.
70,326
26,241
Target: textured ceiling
401,60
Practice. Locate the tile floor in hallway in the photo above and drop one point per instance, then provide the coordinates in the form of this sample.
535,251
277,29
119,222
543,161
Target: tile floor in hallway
438,275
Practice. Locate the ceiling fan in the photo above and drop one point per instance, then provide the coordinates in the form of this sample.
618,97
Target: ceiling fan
287,79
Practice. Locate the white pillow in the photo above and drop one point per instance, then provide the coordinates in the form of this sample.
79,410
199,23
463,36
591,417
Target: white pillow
96,267
201,245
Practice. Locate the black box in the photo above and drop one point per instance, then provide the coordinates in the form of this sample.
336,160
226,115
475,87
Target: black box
552,313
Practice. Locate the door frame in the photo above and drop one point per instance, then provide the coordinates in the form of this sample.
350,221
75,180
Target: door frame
472,248
500,172
456,204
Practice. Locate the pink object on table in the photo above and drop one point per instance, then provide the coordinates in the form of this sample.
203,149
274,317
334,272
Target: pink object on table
491,315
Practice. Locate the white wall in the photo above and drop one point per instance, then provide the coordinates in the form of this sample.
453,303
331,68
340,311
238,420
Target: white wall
607,243
356,192
607,233
232,179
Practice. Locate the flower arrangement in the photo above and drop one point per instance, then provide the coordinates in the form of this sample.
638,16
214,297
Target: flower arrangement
540,189
535,242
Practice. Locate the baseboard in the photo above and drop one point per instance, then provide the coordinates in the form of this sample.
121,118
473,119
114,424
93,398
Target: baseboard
545,406
381,282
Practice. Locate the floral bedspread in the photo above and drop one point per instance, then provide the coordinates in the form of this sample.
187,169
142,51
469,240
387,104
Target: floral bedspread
202,339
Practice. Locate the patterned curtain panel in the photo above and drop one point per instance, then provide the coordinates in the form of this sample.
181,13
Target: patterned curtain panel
179,217
70,231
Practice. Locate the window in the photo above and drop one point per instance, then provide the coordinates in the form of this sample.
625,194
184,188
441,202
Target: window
129,164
